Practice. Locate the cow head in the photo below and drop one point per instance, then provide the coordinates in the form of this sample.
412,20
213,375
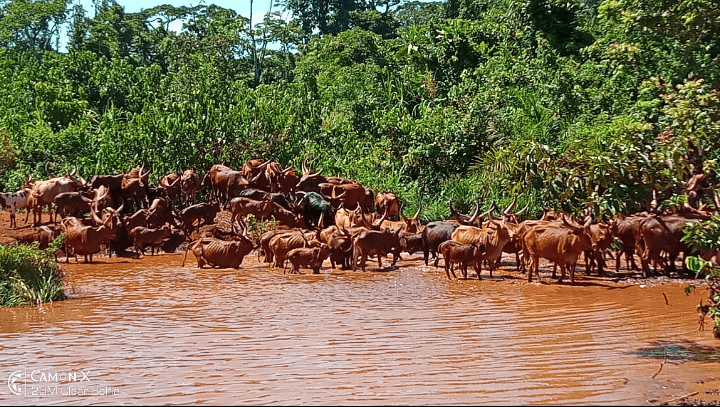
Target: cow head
412,225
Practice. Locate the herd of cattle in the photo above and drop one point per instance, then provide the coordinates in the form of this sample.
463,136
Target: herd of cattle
319,218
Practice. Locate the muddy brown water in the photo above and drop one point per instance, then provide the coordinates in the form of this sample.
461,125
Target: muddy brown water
150,331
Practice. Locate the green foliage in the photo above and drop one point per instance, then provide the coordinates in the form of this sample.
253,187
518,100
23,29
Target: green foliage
704,236
30,276
257,227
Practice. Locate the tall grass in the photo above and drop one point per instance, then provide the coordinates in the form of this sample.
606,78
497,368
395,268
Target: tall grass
29,275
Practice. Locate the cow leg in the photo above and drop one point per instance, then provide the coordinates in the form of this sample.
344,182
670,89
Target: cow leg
554,274
379,257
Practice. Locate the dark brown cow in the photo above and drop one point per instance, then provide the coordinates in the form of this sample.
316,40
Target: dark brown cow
143,237
203,212
241,207
627,227
286,218
75,204
463,254
311,257
220,253
433,234
375,243
411,242
559,244
388,201
662,233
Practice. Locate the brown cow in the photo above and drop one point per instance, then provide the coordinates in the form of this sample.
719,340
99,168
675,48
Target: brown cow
87,240
143,237
375,243
561,244
493,238
171,186
408,225
240,207
311,257
220,253
281,244
190,184
463,254
264,243
662,233
603,235
627,227
388,201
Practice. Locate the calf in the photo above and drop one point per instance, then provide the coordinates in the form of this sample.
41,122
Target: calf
463,254
143,237
311,257
13,201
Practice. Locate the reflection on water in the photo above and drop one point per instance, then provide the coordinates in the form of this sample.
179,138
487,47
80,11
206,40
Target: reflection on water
165,334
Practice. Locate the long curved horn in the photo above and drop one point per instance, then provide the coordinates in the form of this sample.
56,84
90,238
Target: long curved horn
403,215
47,171
287,170
74,171
475,214
523,210
510,208
382,218
483,215
418,212
570,225
305,168
144,175
95,217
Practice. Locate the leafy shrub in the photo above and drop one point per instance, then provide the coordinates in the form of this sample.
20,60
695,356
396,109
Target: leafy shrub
29,275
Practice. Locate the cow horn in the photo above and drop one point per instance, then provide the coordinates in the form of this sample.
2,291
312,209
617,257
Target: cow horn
523,210
486,214
418,212
565,221
144,175
382,218
304,168
47,171
475,214
119,210
322,218
74,171
510,208
403,214
95,217
588,222
287,170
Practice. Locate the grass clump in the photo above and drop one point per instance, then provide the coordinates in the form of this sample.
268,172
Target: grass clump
30,275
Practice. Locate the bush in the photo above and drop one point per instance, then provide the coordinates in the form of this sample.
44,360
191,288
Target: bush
29,275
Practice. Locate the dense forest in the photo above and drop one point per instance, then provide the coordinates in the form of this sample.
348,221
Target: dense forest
565,104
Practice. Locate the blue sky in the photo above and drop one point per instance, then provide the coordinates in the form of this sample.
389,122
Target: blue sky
242,7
